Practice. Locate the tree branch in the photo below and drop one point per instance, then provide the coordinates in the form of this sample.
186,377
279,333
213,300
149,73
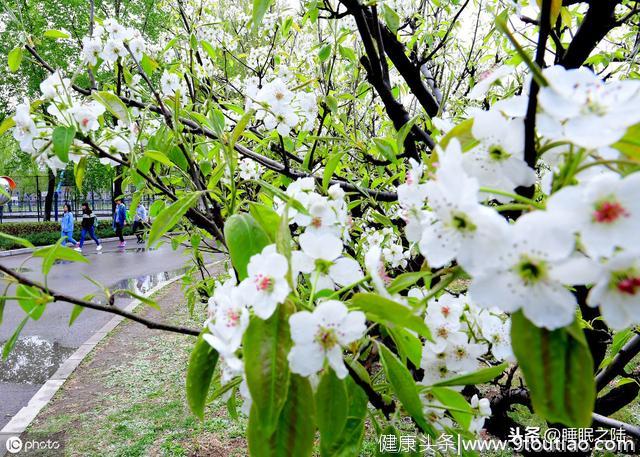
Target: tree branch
58,296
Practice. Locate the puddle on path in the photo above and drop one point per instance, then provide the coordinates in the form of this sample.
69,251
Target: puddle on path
33,359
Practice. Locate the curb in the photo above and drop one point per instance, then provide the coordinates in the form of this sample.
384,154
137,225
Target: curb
20,251
23,418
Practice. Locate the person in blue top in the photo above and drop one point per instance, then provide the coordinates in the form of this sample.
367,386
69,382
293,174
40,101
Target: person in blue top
66,226
139,222
119,219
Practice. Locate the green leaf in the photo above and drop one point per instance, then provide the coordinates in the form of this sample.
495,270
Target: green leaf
156,207
348,53
244,238
55,34
331,409
391,18
477,377
266,346
402,134
558,369
267,217
7,124
295,429
62,139
386,148
57,252
79,171
75,312
141,298
406,280
170,216
330,167
629,144
14,59
202,364
32,300
404,386
456,403
324,52
350,442
238,130
113,104
210,50
158,157
462,132
11,342
389,313
24,242
259,9
148,65
409,346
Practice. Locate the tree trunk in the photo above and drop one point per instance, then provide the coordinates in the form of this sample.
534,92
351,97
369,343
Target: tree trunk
48,201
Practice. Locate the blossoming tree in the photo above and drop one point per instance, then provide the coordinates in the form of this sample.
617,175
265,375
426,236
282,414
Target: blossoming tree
430,209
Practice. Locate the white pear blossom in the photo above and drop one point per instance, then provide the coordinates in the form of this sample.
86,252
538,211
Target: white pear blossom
320,335
86,115
497,161
482,408
605,211
113,49
324,258
617,291
579,107
531,265
249,169
91,50
266,285
169,83
458,226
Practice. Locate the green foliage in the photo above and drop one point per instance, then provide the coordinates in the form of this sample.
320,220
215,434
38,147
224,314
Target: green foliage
244,238
558,368
201,367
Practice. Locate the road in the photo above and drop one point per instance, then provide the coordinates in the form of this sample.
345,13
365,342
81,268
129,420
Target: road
46,343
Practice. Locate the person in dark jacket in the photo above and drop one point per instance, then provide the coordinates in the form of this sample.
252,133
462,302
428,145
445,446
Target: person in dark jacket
89,226
119,219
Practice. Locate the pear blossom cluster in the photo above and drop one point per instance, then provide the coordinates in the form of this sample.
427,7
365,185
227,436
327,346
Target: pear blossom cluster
280,108
584,235
109,43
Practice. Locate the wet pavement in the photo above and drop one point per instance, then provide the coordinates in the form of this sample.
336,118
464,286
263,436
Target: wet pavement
44,344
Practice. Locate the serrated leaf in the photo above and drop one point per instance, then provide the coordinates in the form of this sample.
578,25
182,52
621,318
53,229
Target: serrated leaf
75,312
260,7
113,104
558,369
266,346
11,342
57,252
170,216
477,377
62,138
202,364
244,238
404,387
389,313
7,124
55,34
14,58
295,429
331,409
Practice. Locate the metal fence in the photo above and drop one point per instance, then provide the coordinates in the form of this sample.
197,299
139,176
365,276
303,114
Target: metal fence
27,202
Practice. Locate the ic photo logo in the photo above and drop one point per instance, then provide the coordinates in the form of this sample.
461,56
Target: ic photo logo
14,444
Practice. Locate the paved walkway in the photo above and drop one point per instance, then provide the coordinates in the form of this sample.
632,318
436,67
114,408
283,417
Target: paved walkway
46,343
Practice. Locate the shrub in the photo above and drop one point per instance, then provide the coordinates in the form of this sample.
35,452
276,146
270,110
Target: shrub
44,233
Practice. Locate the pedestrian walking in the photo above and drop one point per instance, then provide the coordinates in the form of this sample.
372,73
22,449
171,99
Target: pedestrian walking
66,226
139,221
119,220
89,226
